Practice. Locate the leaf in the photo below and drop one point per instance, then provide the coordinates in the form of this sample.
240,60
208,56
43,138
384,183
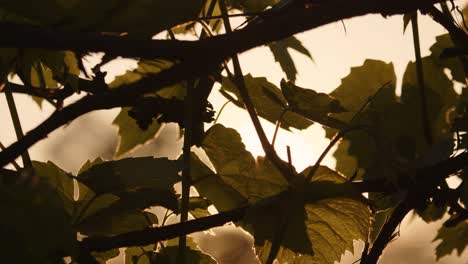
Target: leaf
394,123
140,17
114,220
130,134
193,254
453,64
266,107
131,174
312,105
59,181
104,256
406,20
452,238
357,150
139,255
282,56
198,206
321,227
210,185
328,207
167,254
28,216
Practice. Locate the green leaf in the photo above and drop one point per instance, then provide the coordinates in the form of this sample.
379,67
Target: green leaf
193,254
452,238
167,254
324,219
198,206
406,20
104,256
114,220
328,207
431,212
29,215
267,100
131,174
210,185
394,123
58,180
88,164
312,105
130,134
140,17
453,64
357,150
282,56
139,255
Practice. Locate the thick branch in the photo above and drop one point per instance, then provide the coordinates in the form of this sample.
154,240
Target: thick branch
270,29
210,51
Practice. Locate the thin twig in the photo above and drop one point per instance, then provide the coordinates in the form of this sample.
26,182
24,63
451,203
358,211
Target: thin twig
220,111
278,124
240,83
17,124
420,75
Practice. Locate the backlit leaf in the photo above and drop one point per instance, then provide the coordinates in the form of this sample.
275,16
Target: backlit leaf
131,174
283,57
325,215
452,238
59,181
261,92
130,134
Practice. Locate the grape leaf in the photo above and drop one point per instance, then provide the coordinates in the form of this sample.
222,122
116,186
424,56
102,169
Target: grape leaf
281,54
28,216
326,208
312,105
267,100
130,134
443,42
210,185
58,180
131,174
455,237
395,123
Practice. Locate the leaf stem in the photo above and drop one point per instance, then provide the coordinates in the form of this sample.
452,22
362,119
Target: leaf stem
16,123
244,94
420,76
278,124
220,111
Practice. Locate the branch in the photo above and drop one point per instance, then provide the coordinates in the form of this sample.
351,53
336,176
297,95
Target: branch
211,51
152,235
271,28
